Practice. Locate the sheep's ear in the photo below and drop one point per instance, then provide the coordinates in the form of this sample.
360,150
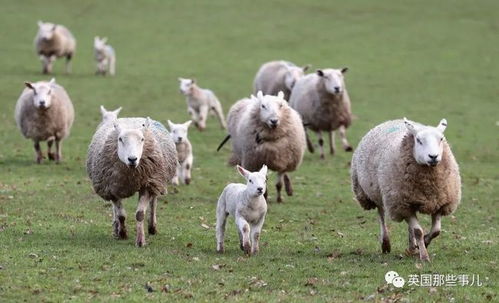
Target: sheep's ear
147,123
410,126
280,95
243,172
344,70
263,170
96,38
252,97
306,67
117,111
103,111
180,79
193,80
320,73
40,23
259,95
52,81
170,124
29,85
442,125
53,28
188,123
104,40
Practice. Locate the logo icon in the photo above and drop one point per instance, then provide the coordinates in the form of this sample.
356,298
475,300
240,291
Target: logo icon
392,277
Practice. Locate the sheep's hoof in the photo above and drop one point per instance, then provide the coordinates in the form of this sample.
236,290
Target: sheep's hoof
220,249
385,246
122,235
322,157
140,243
51,156
247,249
424,257
411,252
348,149
279,200
39,160
187,181
152,230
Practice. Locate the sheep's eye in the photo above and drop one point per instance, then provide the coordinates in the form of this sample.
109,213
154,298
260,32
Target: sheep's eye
441,139
142,140
121,140
263,106
250,181
419,141
281,105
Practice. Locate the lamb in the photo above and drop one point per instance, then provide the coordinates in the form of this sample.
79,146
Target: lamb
108,116
200,101
276,76
44,112
105,57
127,156
184,151
54,41
265,130
324,105
402,167
248,206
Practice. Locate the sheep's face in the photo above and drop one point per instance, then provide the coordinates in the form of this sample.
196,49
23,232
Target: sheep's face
428,142
108,116
293,74
179,131
186,85
100,44
42,93
333,79
256,182
46,30
131,144
270,108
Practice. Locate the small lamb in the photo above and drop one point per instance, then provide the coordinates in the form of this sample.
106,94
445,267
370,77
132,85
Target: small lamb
401,168
184,151
105,57
44,112
108,116
54,41
247,205
200,101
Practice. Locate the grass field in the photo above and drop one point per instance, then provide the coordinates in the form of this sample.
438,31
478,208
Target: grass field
422,59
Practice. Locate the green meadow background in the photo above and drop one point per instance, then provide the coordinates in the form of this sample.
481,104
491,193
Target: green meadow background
425,60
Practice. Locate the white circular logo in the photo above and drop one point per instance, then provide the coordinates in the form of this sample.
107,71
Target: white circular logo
389,276
398,282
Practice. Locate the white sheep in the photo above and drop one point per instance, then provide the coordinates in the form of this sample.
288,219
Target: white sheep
184,152
108,116
54,41
105,57
324,105
200,102
265,130
128,156
44,112
276,76
247,205
401,168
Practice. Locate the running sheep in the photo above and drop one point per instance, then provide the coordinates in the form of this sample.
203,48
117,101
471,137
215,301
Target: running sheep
324,105
54,41
246,203
105,57
184,152
276,76
401,168
44,112
265,130
200,102
131,155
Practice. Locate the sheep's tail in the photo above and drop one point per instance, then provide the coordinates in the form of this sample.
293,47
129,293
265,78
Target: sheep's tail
223,142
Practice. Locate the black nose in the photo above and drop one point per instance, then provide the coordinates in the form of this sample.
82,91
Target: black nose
42,103
433,157
260,189
132,160
274,121
179,139
336,89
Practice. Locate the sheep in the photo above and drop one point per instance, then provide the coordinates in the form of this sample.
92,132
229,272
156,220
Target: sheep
247,205
265,130
184,151
127,156
108,116
54,41
105,57
402,167
200,101
276,76
44,112
324,105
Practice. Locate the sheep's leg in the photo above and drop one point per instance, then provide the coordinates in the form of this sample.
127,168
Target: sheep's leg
435,229
119,216
38,150
321,143
217,110
278,186
343,134
177,174
244,229
255,236
221,220
68,63
419,235
187,167
144,198
310,146
112,66
203,115
151,228
287,185
58,150
332,147
385,238
413,246
50,154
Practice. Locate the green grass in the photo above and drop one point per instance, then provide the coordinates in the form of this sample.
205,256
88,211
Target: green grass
421,59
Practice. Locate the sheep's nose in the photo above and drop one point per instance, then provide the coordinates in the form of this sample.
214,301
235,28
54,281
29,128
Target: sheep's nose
274,121
336,89
132,160
433,157
260,189
42,103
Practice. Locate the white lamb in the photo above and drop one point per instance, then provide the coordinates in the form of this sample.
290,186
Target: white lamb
200,101
54,41
105,57
247,205
178,133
